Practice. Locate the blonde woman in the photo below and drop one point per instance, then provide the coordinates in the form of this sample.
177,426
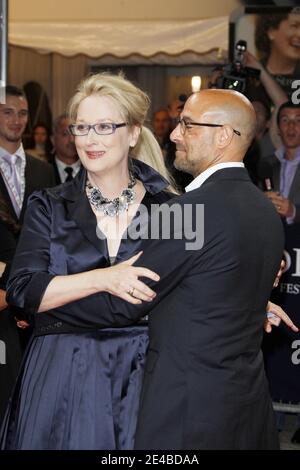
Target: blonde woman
80,387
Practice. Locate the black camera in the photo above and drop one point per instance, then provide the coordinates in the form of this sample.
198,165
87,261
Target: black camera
236,76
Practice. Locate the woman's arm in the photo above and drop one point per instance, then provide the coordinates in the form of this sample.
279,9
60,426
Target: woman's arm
273,89
33,288
275,92
120,280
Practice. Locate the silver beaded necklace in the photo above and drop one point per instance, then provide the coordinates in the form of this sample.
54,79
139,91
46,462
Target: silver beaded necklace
111,207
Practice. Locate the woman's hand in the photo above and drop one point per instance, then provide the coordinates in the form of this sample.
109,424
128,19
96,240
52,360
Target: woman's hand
274,316
122,280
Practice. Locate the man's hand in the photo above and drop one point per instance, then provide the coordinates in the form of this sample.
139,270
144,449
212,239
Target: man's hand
274,316
283,205
22,324
279,274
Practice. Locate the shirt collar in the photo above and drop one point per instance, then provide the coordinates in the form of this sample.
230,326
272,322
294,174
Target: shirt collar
280,154
199,180
63,165
20,153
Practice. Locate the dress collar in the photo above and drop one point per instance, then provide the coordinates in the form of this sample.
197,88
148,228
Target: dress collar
154,183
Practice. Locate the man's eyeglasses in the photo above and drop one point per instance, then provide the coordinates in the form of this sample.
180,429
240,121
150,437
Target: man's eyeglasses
184,125
102,128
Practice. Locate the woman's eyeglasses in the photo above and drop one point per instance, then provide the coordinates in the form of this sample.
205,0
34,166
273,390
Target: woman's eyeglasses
102,128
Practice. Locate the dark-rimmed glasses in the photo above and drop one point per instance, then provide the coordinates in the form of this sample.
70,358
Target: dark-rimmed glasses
184,125
102,128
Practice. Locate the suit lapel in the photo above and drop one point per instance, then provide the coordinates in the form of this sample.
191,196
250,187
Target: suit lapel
30,186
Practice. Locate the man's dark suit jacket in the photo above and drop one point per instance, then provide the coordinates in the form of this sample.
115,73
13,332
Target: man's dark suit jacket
204,386
38,175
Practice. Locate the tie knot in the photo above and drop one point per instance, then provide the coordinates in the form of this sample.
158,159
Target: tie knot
13,162
69,171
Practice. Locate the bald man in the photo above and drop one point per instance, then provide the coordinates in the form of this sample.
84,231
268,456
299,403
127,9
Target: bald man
204,384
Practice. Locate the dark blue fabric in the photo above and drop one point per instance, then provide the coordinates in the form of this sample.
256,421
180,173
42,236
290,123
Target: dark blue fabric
78,390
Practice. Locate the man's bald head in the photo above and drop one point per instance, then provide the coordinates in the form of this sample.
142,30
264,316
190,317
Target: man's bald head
200,147
227,107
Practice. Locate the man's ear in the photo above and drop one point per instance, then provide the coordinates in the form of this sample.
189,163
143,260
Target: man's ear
224,136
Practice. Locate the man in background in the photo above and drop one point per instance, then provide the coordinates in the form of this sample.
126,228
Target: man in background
20,175
65,162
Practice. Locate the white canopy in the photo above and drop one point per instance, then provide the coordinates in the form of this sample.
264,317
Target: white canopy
142,41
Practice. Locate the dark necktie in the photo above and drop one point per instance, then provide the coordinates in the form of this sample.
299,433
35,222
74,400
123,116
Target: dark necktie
69,171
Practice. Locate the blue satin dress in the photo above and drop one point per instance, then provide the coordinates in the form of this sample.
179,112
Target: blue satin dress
77,389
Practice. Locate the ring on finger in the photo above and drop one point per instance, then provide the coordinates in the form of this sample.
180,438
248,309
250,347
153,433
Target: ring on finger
131,291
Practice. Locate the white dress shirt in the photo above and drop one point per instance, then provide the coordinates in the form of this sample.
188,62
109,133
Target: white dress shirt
199,180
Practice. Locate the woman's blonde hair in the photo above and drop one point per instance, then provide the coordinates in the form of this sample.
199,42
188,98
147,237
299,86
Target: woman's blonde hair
133,104
148,151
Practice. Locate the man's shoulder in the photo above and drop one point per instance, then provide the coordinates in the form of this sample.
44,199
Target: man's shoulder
36,162
52,196
40,171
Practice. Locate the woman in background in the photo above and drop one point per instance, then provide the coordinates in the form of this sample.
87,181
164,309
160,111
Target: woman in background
40,145
277,39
